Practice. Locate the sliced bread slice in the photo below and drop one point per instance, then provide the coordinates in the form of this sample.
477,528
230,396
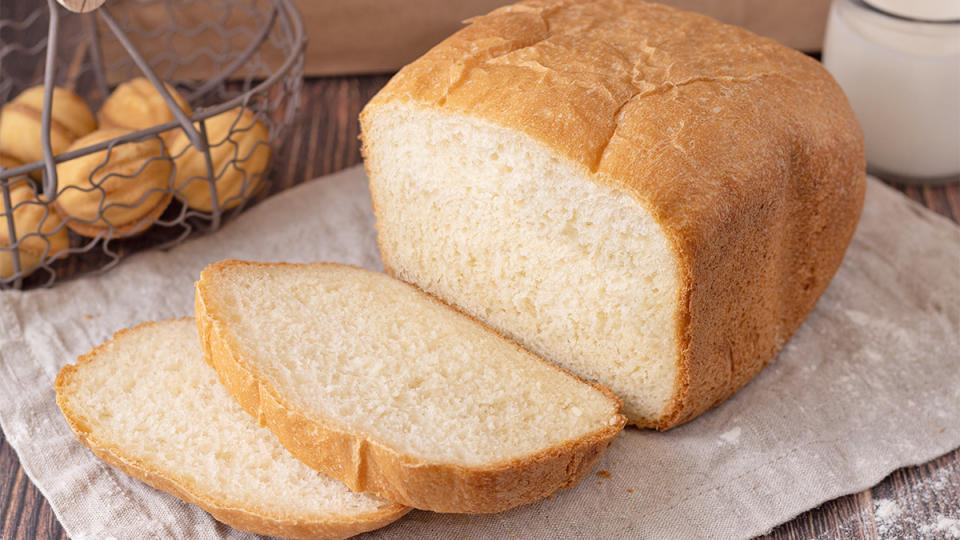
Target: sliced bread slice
147,404
380,385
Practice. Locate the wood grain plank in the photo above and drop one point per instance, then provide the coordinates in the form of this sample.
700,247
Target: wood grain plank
935,198
16,499
31,506
9,465
284,170
47,524
312,135
953,200
914,193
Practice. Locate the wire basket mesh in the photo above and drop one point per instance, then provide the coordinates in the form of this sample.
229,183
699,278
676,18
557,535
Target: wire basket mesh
229,71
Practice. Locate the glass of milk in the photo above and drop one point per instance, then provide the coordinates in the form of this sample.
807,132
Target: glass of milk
899,63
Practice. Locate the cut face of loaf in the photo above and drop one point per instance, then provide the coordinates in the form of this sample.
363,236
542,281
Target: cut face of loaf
147,404
577,272
381,386
643,196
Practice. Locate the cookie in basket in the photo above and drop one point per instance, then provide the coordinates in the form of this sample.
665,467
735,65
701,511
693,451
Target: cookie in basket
136,104
40,235
119,195
20,126
240,152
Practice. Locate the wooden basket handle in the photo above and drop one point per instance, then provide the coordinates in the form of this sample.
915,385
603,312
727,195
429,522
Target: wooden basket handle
81,6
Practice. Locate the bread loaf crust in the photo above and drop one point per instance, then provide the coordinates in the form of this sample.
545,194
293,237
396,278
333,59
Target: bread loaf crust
366,465
238,518
745,152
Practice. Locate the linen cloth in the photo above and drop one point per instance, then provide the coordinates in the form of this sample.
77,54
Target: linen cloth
869,383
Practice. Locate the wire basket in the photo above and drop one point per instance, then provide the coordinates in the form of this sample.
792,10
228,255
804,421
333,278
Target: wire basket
237,67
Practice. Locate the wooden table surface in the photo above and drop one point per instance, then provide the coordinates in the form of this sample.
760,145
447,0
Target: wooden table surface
324,141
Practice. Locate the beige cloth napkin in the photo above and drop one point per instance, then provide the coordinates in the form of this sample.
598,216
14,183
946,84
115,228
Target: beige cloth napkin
870,383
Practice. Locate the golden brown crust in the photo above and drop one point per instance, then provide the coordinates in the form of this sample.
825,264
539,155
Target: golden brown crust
238,518
365,464
746,152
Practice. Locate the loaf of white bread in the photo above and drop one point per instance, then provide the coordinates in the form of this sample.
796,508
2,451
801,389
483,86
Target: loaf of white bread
643,196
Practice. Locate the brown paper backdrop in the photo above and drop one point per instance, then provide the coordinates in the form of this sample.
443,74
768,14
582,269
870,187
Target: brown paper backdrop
371,36
380,36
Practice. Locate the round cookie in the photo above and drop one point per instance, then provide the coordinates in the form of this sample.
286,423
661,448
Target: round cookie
129,186
20,124
136,104
40,235
240,151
